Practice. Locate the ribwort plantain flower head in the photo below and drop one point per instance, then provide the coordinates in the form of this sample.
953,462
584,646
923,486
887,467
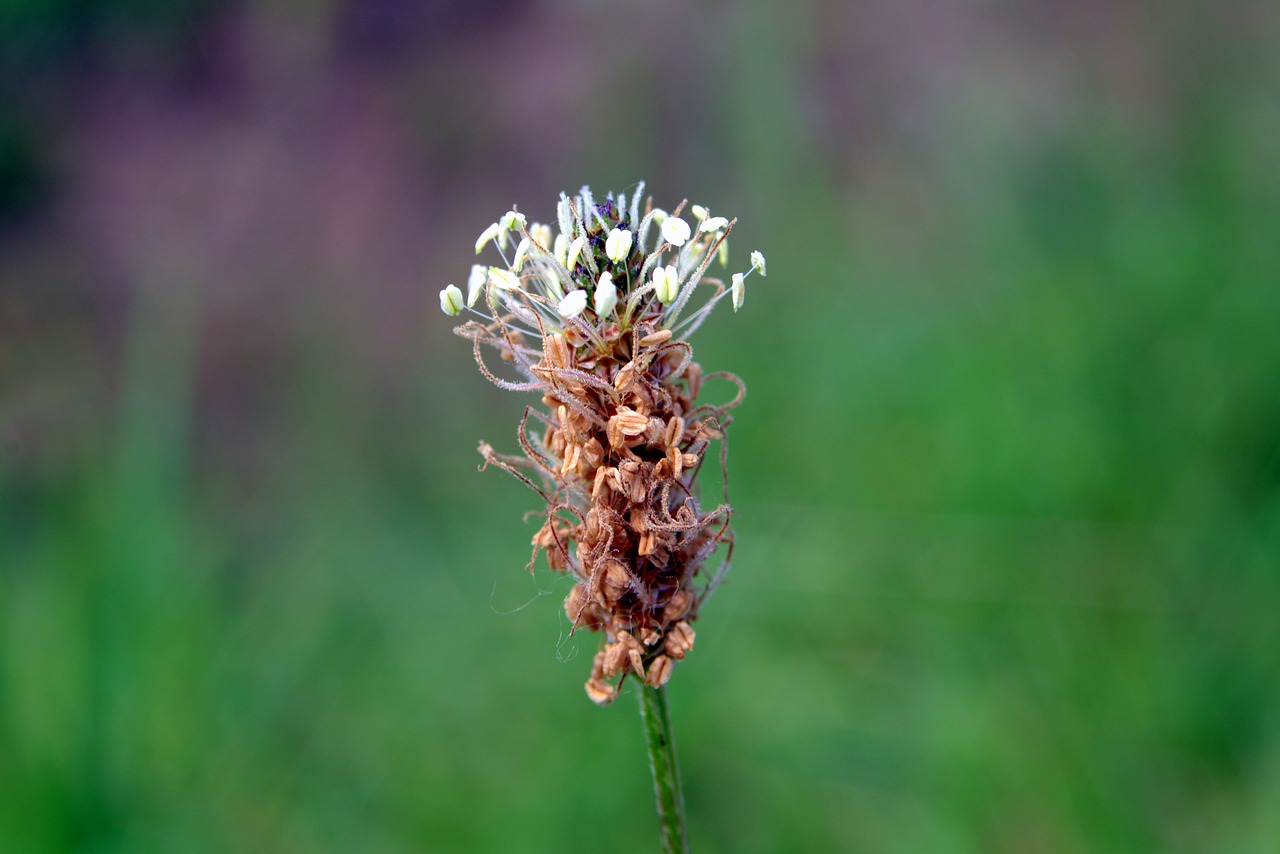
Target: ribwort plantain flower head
594,315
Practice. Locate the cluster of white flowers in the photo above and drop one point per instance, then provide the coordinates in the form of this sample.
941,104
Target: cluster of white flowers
606,264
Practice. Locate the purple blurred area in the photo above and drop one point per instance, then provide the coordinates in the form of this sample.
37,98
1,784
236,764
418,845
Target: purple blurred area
279,161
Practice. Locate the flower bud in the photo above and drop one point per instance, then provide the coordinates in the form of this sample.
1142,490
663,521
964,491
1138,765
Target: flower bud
513,221
757,261
699,212
675,231
573,303
606,295
560,248
618,245
738,290
451,301
541,233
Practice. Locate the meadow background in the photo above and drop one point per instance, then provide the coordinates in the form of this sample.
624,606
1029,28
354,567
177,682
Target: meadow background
1007,475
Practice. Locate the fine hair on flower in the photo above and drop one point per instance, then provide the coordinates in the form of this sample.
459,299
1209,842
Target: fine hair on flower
593,313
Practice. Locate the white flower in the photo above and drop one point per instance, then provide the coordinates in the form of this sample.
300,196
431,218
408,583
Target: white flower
503,280
675,231
521,252
618,244
699,212
757,261
574,249
475,284
573,303
606,294
488,234
451,301
714,224
513,221
739,290
666,283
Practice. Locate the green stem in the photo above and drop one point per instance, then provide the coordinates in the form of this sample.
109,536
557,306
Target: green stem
666,772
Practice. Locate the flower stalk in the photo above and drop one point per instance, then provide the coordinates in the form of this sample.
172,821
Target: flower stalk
667,790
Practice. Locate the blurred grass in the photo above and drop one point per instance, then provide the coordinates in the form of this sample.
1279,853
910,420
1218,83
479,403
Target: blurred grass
1008,485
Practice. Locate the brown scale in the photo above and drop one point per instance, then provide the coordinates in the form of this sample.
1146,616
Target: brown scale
623,443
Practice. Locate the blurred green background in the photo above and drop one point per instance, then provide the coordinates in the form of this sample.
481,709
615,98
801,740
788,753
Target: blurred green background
1007,476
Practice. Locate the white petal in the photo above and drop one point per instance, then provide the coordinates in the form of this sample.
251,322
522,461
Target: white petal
606,295
675,231
503,280
714,224
575,249
573,303
666,283
659,280
451,301
551,284
521,251
618,245
475,284
488,234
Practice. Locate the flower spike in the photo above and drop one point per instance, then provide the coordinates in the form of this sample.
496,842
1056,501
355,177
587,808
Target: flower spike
595,318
